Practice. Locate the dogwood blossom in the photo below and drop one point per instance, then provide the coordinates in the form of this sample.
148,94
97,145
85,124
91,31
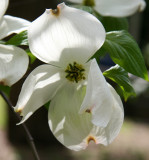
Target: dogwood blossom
83,106
114,8
13,60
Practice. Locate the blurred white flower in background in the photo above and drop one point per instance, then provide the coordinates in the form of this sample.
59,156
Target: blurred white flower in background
114,8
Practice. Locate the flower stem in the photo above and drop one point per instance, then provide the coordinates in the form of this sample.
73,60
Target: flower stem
29,136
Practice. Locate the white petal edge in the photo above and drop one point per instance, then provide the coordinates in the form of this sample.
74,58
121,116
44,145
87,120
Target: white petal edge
74,130
13,64
117,118
104,135
119,8
65,36
10,24
3,7
98,100
39,88
76,1
69,127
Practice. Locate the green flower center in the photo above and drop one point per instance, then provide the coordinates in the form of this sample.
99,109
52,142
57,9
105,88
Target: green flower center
75,72
89,3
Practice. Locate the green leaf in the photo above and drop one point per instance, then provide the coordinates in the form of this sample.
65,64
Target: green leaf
47,105
32,57
112,23
100,53
19,39
120,76
5,89
124,51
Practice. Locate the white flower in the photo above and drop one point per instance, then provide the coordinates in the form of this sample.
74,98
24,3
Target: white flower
10,24
13,60
65,39
114,8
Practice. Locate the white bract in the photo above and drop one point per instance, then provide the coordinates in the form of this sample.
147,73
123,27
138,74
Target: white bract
13,60
83,106
114,8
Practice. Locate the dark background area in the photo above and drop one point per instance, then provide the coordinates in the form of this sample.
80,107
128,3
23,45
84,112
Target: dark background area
30,9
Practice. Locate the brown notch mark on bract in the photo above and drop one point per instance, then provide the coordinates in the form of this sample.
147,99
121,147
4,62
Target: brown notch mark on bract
91,138
88,111
3,83
56,11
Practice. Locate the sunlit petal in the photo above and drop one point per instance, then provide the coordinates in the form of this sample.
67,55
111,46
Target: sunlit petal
65,35
13,64
69,127
39,87
119,8
10,24
3,7
74,130
105,135
98,100
117,118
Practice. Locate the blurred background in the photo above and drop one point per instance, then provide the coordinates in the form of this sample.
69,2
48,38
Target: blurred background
133,140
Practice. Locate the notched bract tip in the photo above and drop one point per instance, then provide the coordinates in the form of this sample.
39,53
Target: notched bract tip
3,83
141,6
18,110
91,138
88,111
56,12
